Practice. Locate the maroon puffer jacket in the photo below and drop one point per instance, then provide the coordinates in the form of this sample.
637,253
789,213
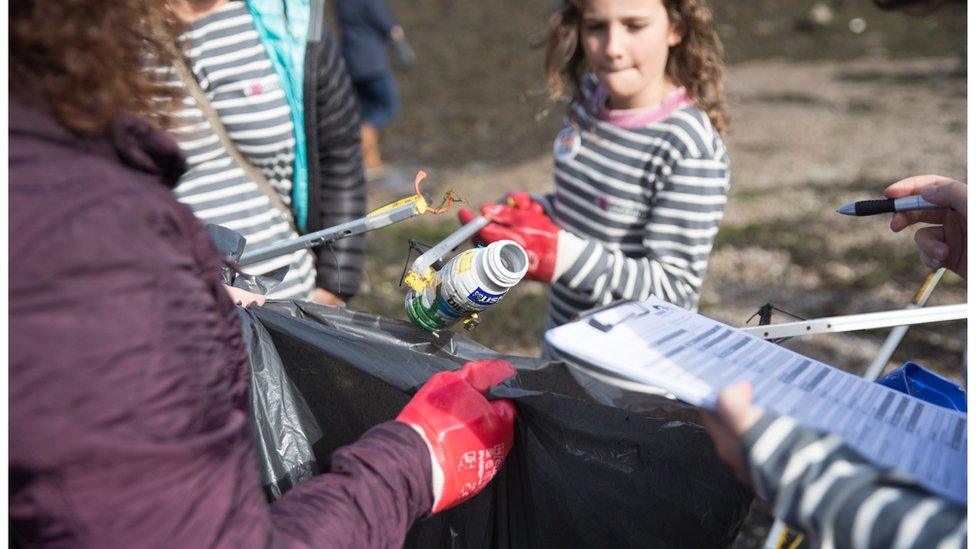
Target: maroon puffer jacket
128,376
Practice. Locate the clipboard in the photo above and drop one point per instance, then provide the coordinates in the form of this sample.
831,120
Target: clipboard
655,347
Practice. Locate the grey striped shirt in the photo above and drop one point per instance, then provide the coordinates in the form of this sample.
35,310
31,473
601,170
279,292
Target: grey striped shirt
234,71
818,484
648,202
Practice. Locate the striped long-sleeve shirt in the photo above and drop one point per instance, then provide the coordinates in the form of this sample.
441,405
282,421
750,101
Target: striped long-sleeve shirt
235,73
647,202
817,484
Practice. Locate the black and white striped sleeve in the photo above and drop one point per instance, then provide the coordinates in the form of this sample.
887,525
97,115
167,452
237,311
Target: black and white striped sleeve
342,191
816,483
678,238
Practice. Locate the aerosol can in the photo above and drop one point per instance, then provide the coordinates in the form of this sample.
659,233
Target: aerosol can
469,283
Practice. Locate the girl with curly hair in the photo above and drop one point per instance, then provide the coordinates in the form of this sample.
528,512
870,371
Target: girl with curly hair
641,170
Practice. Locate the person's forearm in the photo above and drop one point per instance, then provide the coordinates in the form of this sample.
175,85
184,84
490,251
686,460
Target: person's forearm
607,274
373,492
677,239
818,484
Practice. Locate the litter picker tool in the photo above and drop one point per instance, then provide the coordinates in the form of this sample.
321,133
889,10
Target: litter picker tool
389,214
421,273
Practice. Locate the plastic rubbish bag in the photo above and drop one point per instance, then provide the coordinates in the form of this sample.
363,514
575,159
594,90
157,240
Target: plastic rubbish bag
283,425
581,474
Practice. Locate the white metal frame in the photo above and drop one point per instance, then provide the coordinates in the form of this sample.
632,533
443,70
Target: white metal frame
865,321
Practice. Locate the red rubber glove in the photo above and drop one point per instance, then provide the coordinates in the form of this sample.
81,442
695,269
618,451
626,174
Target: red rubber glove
525,221
468,436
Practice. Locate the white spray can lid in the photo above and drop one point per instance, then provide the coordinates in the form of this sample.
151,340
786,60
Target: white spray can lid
505,262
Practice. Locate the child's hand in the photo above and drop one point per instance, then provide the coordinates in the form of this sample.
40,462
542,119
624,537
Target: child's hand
733,416
403,53
945,244
244,298
396,33
325,297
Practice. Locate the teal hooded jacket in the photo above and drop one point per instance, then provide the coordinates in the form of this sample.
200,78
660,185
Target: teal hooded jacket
329,185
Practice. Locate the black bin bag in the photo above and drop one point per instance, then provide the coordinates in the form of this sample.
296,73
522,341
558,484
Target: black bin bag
282,425
641,473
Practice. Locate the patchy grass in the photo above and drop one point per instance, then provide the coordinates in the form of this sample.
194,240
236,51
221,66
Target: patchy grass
764,29
779,234
891,260
477,91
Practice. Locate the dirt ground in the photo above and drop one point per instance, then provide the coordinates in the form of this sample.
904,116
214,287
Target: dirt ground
820,115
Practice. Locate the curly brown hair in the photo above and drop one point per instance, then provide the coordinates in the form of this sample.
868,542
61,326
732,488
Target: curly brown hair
695,63
87,60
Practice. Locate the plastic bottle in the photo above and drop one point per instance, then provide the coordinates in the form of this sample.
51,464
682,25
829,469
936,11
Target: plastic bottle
469,283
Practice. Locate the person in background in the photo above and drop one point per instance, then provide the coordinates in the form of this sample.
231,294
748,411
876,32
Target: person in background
815,482
367,28
641,172
128,376
288,108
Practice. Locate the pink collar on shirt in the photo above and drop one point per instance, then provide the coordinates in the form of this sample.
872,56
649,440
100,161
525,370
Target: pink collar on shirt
640,117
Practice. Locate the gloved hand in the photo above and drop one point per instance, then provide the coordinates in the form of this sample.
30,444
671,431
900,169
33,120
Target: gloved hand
551,250
468,436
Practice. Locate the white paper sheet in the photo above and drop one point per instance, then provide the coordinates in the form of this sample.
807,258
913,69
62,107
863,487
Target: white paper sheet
658,344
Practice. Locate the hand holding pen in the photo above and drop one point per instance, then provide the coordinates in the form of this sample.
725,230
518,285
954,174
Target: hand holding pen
942,245
863,208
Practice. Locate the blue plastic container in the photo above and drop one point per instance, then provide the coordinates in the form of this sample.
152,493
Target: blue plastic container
920,383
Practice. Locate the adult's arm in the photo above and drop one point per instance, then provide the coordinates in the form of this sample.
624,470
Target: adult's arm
341,180
129,410
372,493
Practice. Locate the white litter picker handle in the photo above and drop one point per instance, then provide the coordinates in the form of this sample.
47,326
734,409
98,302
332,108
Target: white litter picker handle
866,321
420,272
